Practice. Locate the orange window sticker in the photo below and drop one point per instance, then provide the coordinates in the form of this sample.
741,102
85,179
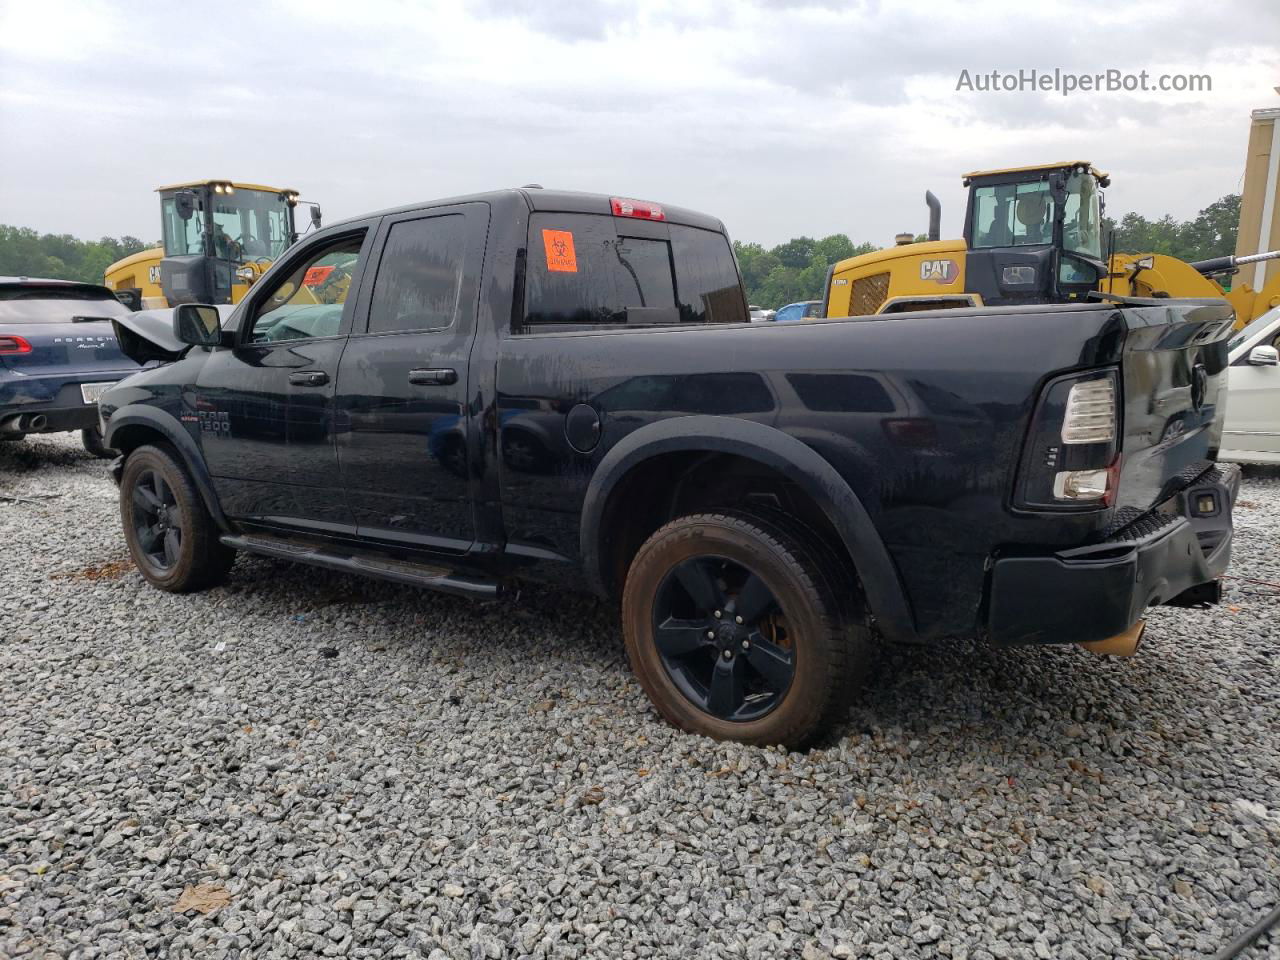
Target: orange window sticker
316,276
559,247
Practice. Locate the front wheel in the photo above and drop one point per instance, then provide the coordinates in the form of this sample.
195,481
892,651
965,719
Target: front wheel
734,629
171,536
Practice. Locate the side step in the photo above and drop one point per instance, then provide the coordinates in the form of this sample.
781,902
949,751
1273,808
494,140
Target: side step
416,574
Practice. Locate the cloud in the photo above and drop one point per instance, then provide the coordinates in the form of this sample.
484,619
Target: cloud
782,118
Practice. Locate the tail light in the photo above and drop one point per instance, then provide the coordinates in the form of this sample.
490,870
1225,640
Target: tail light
1072,460
1091,412
639,209
12,343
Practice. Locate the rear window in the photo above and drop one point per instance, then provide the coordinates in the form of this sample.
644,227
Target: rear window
33,303
587,270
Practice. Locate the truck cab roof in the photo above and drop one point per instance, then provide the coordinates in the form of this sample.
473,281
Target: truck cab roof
539,199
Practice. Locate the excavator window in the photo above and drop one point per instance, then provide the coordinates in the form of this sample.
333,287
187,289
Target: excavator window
181,237
1013,214
1081,225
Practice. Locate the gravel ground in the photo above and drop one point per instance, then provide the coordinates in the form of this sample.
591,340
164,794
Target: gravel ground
359,769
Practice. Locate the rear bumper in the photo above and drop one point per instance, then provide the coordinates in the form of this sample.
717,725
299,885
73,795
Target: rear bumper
57,398
1091,593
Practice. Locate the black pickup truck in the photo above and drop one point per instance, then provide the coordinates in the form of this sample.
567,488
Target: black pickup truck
566,388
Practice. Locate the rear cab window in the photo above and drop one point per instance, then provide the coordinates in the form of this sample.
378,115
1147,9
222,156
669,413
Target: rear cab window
591,270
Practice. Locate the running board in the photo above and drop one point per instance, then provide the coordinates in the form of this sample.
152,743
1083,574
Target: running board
415,574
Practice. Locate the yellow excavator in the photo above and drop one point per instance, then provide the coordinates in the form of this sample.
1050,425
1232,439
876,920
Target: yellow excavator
219,236
1031,235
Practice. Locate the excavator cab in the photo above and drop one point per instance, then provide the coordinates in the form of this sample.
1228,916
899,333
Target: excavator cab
1031,235
219,236
1034,234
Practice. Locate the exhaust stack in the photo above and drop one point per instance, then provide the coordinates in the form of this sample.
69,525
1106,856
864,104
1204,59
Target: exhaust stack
935,215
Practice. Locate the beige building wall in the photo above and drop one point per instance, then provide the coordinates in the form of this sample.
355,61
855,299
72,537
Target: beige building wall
1260,201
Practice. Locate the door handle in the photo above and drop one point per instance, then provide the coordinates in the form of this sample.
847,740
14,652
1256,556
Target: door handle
309,378
434,375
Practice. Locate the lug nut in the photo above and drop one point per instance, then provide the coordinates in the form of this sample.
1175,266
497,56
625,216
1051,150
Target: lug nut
746,644
728,654
717,614
711,634
737,619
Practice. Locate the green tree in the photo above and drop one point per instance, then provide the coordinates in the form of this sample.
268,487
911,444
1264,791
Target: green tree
1211,234
26,253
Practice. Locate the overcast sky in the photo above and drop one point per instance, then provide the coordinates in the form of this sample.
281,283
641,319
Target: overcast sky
781,118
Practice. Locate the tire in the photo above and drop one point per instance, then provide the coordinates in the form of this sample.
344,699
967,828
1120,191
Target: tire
784,675
91,437
171,536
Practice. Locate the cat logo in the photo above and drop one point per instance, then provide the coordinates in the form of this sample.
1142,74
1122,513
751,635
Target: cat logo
153,274
939,271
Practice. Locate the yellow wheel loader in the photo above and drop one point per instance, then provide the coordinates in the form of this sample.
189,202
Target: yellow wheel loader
1031,235
219,237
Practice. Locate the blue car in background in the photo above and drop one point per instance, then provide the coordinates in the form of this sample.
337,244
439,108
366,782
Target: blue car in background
58,352
798,311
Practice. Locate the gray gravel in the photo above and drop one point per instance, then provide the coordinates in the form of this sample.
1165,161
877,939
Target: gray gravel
474,781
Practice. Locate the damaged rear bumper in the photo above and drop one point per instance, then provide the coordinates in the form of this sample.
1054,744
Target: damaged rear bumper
1174,554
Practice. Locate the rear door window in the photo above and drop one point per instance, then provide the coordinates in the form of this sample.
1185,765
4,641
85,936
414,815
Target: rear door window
419,276
585,270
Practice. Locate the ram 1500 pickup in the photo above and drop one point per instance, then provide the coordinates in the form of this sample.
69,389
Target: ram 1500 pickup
566,388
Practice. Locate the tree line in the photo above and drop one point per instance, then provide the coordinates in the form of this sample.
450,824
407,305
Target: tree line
773,276
26,253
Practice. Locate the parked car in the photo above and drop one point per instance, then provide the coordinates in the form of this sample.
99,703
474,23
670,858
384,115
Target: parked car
567,388
1252,430
798,311
57,354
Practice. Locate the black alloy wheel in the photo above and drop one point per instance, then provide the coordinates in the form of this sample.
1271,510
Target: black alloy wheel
157,521
722,637
744,627
168,528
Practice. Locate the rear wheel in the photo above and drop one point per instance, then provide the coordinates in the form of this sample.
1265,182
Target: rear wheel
734,630
91,437
171,536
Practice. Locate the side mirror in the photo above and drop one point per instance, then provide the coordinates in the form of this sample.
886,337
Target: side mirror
1264,356
315,215
184,202
197,324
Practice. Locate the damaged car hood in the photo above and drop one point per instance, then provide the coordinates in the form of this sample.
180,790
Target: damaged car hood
148,334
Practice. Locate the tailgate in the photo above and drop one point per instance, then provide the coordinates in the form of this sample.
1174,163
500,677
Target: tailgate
1173,371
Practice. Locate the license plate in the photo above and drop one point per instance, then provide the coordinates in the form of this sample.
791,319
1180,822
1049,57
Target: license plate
92,391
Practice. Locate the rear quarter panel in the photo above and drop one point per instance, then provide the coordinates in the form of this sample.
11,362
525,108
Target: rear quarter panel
923,415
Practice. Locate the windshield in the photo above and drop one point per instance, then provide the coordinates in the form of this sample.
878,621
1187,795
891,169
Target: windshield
247,225
1021,214
1082,223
